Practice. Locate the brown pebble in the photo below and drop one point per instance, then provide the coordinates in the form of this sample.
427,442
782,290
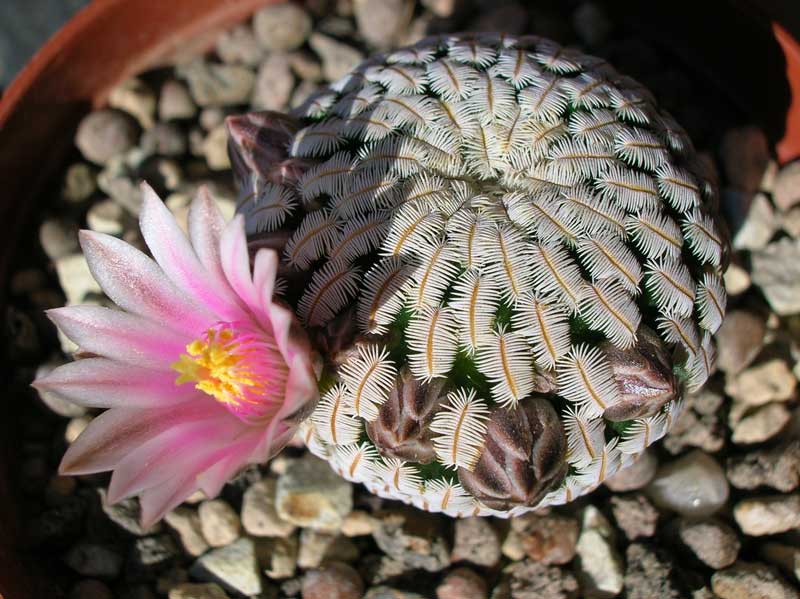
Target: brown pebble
334,580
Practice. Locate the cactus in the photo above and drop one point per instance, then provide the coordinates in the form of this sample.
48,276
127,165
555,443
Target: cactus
508,259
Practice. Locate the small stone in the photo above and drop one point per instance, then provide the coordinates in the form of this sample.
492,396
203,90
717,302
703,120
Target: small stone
413,538
317,547
476,541
274,83
768,515
534,580
790,222
737,280
635,515
696,427
259,517
217,84
91,589
785,557
693,485
778,467
712,541
281,27
89,559
280,560
776,270
234,566
311,495
137,99
80,182
441,8
337,59
739,340
786,192
218,522
333,581
215,149
759,226
126,514
150,556
598,565
186,523
769,381
58,238
591,23
305,65
649,574
117,180
303,92
462,583
170,579
761,424
106,216
76,279
636,476
382,22
189,590
358,524
751,580
745,156
175,102
549,539
164,139
239,46
106,133
384,592
75,427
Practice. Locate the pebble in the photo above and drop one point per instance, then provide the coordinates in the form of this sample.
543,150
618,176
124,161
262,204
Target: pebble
777,467
282,27
317,547
188,590
76,279
164,139
766,382
759,226
529,579
90,559
259,517
80,182
337,59
240,46
382,22
58,237
785,557
234,566
548,538
384,592
739,340
635,515
711,540
776,270
413,538
106,133
91,589
790,222
186,523
127,515
761,424
636,476
215,149
598,566
698,428
274,84
311,495
737,280
303,92
137,99
106,216
305,65
476,541
649,574
213,84
768,514
150,556
441,8
786,191
745,156
219,522
751,580
117,181
335,580
175,103
358,523
462,583
693,485
279,558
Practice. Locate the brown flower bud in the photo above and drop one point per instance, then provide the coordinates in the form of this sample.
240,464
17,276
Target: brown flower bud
644,377
401,429
338,340
523,459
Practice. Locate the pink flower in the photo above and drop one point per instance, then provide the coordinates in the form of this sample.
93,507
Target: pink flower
201,371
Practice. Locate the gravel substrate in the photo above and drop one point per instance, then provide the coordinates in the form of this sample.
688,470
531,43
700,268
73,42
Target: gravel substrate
712,511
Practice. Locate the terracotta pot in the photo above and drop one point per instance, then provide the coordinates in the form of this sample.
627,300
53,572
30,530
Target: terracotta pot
113,39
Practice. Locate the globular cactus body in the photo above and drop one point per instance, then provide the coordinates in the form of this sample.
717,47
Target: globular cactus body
508,255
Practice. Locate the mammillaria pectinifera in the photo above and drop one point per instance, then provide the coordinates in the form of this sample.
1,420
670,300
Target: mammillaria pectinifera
506,255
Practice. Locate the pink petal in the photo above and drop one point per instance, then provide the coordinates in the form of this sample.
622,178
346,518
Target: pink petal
117,432
206,225
136,283
119,335
301,387
214,478
177,259
102,383
236,263
264,273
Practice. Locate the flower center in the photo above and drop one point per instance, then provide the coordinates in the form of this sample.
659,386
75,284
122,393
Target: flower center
236,367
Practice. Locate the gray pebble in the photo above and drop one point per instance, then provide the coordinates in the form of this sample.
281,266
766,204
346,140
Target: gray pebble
214,84
80,182
382,22
165,139
337,59
106,133
137,99
90,559
274,83
281,27
240,46
58,237
175,102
